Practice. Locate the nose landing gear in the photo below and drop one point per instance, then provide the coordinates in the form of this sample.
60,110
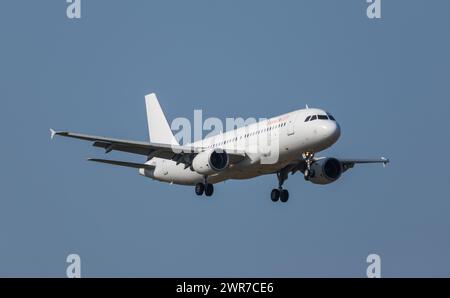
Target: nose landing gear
309,158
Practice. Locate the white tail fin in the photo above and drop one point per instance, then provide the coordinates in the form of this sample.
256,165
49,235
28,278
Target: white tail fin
158,127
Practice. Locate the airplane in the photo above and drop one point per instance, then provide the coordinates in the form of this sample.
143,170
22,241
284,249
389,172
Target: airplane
293,138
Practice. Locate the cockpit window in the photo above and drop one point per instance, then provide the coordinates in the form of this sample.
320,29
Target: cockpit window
320,117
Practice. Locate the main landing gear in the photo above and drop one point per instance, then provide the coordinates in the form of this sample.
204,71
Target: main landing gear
309,158
280,193
205,187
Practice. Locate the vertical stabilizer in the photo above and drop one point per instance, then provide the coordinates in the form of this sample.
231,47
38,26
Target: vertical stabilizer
158,127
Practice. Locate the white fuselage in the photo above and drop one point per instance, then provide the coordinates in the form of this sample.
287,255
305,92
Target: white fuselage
270,145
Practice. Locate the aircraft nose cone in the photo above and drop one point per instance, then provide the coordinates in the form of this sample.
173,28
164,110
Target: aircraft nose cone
331,131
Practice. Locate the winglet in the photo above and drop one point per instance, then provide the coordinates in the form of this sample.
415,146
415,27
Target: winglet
52,134
385,161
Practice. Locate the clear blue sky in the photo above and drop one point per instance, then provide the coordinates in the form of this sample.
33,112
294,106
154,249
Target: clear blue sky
386,82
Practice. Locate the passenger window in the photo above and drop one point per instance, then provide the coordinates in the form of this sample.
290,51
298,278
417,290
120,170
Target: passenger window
313,118
307,118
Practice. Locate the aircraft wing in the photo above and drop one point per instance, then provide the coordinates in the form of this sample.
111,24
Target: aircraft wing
350,163
123,163
178,153
347,163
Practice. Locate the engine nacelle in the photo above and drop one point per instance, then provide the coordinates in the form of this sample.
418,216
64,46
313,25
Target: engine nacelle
210,162
326,171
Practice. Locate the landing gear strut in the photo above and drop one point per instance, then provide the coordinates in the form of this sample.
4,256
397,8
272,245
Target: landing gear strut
205,187
280,193
309,158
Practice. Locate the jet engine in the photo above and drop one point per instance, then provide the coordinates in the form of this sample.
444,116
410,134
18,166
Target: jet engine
210,162
326,171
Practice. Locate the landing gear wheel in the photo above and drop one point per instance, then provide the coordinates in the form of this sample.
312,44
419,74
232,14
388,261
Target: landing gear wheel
199,189
275,195
309,174
284,195
209,190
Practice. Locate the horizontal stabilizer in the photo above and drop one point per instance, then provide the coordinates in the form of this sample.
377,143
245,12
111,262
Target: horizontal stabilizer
123,163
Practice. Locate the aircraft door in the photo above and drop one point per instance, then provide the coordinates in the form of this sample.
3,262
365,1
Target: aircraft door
291,125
